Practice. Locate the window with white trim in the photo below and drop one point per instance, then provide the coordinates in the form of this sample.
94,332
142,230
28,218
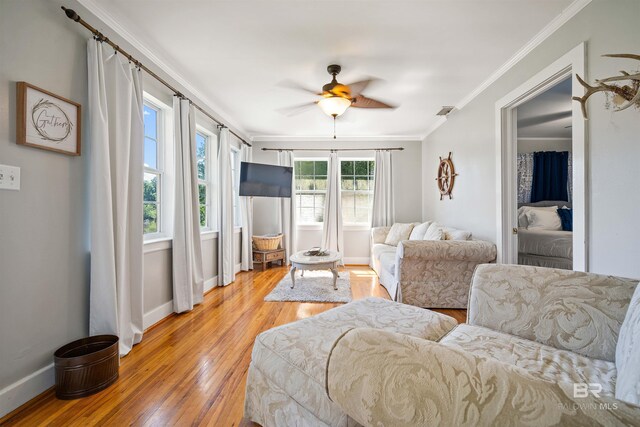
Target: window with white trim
205,182
235,176
357,178
153,170
311,190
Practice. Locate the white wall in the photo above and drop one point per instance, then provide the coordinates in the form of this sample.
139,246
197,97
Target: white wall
407,189
531,145
613,147
44,255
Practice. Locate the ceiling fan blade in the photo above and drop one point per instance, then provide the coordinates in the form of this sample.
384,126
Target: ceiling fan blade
296,109
362,101
357,87
290,84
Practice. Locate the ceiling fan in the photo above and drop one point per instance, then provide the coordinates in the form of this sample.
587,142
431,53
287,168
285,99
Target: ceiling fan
336,97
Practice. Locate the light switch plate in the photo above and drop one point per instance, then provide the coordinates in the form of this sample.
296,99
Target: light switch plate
9,177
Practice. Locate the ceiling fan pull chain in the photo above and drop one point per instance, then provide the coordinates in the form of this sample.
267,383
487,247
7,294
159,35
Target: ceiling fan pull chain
334,127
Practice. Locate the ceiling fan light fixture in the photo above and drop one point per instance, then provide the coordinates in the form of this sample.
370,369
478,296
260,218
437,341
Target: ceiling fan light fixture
334,105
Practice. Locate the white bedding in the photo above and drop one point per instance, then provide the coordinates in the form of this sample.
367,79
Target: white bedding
548,243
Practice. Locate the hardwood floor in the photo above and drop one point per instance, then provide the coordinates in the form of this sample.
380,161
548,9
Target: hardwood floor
190,369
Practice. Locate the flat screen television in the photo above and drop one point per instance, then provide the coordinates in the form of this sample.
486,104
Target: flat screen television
257,179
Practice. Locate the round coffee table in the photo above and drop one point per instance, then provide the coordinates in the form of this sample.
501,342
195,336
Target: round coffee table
302,262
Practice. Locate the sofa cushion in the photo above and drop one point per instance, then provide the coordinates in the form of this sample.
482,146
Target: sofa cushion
398,233
388,262
294,356
540,360
628,353
419,231
451,233
380,248
434,232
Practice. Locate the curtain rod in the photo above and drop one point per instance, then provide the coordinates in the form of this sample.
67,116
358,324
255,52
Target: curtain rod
71,14
333,149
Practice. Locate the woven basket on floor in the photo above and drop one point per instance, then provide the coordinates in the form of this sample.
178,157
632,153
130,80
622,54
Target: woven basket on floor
267,243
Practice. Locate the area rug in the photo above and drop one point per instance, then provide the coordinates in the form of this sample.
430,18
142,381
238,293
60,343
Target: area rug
315,286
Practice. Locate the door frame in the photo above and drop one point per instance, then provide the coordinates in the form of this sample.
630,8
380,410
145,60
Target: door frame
570,64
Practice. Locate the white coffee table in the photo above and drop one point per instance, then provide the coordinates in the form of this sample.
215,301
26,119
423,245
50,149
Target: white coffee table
302,262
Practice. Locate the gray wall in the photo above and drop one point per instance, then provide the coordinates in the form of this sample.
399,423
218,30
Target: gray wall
44,255
613,143
407,182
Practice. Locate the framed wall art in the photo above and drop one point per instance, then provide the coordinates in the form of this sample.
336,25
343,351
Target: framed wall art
47,121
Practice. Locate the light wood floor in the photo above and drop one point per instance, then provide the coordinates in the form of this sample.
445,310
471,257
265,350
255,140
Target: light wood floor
190,369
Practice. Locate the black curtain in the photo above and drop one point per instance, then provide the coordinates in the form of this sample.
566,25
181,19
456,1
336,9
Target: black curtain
550,173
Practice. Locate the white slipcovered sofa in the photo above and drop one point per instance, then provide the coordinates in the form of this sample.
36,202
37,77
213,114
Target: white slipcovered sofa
428,273
542,347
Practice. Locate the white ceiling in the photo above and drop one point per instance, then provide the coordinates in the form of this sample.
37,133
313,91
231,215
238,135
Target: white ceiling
428,53
548,115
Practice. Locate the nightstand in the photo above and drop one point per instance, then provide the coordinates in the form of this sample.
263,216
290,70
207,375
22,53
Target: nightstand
267,257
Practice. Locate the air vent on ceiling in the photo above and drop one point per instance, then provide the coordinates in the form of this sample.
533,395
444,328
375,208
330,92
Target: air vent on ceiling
446,109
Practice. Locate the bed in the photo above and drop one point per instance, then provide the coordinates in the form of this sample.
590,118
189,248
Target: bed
545,248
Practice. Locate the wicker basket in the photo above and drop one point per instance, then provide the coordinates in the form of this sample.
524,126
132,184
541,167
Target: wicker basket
267,243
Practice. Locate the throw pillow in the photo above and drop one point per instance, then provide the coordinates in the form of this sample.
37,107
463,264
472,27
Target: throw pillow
543,219
628,354
434,232
455,234
419,231
398,233
566,218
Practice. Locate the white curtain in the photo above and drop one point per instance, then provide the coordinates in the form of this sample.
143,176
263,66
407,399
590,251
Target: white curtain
226,273
332,226
287,211
188,280
246,210
383,211
116,135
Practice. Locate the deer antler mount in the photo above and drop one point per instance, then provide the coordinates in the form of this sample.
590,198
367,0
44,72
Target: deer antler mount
624,95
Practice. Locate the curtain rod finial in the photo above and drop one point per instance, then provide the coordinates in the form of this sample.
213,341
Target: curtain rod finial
71,14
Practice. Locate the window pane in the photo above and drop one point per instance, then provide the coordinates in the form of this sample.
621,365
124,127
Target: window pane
202,190
362,183
361,168
202,173
150,153
306,201
306,168
319,215
201,146
372,167
150,218
150,122
347,184
362,215
321,167
319,201
305,183
307,215
203,215
150,193
346,167
321,183
348,201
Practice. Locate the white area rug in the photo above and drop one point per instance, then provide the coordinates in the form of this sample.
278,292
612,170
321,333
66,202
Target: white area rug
315,286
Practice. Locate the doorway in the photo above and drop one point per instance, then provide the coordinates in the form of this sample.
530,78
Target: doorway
522,118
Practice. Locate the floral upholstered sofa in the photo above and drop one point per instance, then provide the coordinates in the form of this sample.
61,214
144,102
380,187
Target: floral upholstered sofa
542,347
430,266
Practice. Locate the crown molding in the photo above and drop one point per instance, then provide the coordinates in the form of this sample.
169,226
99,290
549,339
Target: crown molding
302,138
105,18
544,34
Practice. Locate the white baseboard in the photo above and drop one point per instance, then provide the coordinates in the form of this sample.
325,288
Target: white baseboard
238,268
26,389
157,314
356,260
210,283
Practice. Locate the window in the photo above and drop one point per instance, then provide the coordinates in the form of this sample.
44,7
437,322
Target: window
152,170
205,192
311,188
357,190
235,176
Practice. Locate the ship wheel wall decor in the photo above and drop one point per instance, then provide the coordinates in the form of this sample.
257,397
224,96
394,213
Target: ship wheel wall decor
446,177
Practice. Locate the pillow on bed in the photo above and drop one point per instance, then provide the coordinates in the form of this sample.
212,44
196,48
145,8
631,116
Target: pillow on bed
523,222
566,218
543,219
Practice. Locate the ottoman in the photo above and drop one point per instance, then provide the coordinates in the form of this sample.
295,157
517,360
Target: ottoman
286,383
